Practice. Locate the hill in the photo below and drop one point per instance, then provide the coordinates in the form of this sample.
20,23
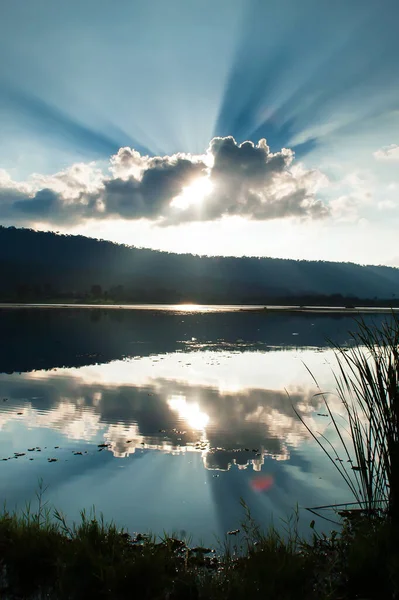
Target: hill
47,266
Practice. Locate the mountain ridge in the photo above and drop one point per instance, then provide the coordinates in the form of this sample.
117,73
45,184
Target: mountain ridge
47,264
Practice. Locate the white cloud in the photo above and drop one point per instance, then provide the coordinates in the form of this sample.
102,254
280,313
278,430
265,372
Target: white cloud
355,194
345,208
387,205
390,153
246,180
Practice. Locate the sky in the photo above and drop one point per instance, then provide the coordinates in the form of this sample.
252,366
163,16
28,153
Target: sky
236,127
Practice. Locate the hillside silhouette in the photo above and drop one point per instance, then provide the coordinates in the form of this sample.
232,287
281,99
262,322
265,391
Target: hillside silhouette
39,266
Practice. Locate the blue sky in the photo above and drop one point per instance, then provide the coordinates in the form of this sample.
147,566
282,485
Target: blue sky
81,81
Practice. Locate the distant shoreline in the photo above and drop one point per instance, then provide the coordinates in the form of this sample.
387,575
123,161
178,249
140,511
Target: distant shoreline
198,308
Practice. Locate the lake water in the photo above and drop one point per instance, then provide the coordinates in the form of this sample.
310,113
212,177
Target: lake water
164,419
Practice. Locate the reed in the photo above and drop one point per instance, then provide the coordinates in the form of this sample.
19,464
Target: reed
366,453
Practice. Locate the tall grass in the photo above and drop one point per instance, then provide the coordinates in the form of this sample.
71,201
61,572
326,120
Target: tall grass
43,556
367,453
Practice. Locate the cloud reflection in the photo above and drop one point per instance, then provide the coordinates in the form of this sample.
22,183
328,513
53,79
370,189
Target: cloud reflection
178,414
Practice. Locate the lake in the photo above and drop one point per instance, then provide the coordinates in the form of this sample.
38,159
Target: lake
164,419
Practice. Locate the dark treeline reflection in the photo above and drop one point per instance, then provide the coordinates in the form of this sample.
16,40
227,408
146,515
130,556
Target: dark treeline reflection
48,338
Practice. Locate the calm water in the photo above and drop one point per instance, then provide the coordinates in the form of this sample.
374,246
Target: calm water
192,407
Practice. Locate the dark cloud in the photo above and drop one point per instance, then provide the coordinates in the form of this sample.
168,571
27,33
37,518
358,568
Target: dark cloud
244,180
149,197
246,163
252,182
44,203
17,207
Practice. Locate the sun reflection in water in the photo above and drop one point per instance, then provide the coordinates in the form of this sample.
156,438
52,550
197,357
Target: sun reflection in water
189,307
189,412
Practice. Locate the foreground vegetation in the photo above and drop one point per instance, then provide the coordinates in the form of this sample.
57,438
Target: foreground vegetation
42,556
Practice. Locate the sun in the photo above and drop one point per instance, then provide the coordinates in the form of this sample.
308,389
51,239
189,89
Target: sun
193,194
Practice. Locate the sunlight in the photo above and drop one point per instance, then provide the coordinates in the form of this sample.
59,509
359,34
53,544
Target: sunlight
191,413
193,194
189,307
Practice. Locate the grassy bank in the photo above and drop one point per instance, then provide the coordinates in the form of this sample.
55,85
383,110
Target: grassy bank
41,556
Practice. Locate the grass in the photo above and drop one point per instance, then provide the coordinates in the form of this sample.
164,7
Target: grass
41,555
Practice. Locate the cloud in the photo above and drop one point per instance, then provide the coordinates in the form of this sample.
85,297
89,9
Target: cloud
390,153
354,193
250,181
387,205
162,179
246,180
345,208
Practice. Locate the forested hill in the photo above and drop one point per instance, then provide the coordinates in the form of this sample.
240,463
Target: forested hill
42,265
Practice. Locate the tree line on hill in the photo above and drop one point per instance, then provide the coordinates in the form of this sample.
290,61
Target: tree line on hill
45,266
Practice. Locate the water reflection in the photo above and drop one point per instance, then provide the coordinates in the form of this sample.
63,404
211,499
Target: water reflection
182,415
48,338
233,409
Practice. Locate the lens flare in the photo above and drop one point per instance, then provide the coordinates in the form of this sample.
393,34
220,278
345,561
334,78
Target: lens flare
262,483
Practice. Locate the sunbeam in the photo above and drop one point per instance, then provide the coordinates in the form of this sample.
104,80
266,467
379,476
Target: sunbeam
161,98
